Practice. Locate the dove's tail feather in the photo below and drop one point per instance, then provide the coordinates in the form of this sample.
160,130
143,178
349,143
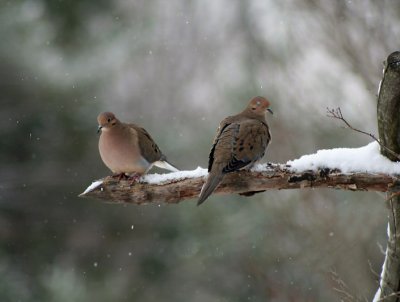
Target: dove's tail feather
210,185
165,165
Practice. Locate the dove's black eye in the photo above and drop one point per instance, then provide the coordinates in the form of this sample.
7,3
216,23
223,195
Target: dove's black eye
108,120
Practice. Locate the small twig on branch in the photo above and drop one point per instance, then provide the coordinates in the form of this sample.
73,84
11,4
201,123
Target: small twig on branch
381,249
342,288
337,114
373,271
396,294
394,220
392,196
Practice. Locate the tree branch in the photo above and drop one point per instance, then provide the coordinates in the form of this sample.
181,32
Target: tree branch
275,177
337,114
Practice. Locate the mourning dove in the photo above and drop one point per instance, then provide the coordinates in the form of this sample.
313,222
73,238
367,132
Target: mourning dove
240,142
128,148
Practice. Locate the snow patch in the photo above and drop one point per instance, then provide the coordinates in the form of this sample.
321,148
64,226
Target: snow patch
265,167
377,296
363,159
175,176
93,186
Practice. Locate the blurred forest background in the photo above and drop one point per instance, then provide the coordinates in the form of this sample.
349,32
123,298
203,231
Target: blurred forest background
177,68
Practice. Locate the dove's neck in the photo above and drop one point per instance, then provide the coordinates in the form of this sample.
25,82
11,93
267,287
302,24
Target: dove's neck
114,128
253,115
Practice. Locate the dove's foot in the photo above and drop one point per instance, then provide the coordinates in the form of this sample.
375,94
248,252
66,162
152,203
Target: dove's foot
134,178
120,176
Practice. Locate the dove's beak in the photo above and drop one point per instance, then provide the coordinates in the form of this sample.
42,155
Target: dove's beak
99,129
270,110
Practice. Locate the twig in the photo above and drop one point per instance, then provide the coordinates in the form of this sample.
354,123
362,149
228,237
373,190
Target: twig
381,249
337,114
378,280
342,287
394,223
396,294
373,271
392,196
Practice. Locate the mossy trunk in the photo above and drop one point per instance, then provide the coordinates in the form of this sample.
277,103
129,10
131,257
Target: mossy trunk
389,135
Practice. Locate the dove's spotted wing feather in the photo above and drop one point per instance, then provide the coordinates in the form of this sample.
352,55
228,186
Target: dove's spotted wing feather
148,148
150,151
222,127
240,141
249,145
240,144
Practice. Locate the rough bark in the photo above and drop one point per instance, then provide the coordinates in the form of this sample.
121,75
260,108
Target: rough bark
243,182
389,105
389,135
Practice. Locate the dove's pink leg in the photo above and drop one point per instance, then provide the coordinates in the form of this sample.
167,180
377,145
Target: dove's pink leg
134,178
120,176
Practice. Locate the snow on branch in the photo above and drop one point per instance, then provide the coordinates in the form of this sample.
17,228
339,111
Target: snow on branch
355,169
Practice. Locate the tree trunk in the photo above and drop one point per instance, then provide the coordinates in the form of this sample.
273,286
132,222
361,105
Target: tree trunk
389,134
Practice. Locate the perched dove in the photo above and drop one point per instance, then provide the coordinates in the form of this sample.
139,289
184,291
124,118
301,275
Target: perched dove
240,142
128,148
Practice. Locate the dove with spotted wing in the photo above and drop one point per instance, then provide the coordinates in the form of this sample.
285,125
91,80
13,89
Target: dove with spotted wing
240,142
128,149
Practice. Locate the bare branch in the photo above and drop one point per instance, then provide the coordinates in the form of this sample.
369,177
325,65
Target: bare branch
389,296
373,271
337,114
342,288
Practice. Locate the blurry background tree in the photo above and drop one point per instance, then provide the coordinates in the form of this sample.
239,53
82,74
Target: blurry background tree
178,68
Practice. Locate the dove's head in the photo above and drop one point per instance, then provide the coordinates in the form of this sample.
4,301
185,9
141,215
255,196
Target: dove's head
259,106
106,121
